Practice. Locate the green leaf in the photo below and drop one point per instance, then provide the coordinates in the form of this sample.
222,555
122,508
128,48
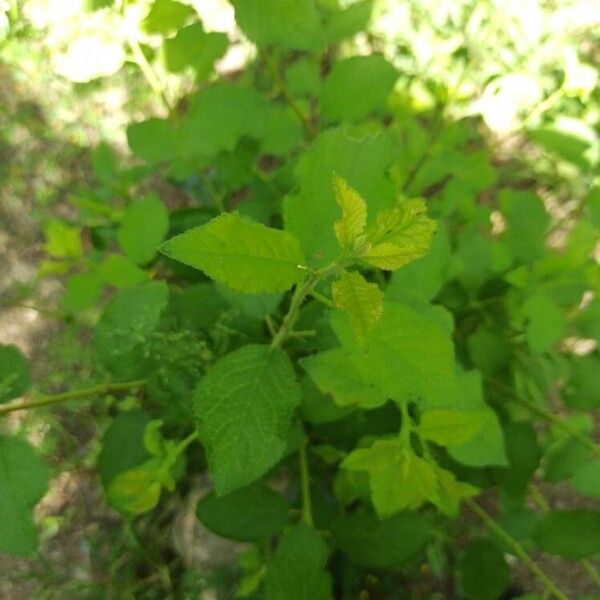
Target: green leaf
362,161
246,256
83,290
587,479
248,514
422,279
318,407
153,140
122,334
291,24
399,235
283,131
15,378
118,271
583,387
64,241
572,534
354,213
143,227
122,445
244,407
23,481
486,447
167,15
546,323
136,490
361,301
256,306
399,479
193,47
334,373
449,427
357,87
297,571
380,544
409,357
218,117
483,572
348,22
527,223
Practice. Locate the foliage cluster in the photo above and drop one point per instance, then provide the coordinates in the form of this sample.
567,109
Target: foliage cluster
356,313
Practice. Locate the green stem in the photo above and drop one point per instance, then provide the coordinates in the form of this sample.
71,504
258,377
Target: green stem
147,70
553,419
302,290
322,299
46,400
516,548
305,483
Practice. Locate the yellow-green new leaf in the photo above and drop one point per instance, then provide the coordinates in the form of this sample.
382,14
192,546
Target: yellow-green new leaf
243,255
399,235
360,300
354,213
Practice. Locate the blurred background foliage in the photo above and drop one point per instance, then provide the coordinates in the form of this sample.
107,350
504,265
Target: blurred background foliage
487,92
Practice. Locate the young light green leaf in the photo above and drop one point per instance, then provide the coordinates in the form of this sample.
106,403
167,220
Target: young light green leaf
297,571
354,213
167,15
360,300
246,256
399,235
137,490
23,481
244,407
248,514
144,226
399,479
15,377
587,479
333,373
449,427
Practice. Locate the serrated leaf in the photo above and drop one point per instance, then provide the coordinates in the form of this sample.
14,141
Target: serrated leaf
449,427
333,373
359,159
244,406
137,490
23,481
356,87
297,571
354,213
486,447
380,544
248,514
167,15
572,534
409,357
292,24
15,377
361,301
143,227
399,235
245,256
193,47
122,334
399,479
